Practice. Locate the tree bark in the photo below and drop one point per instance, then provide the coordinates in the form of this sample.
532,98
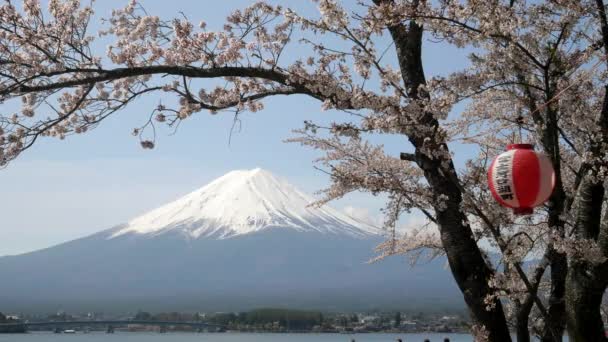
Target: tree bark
464,257
522,320
583,301
554,328
586,283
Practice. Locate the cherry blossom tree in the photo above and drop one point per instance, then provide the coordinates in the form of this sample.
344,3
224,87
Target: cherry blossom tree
538,73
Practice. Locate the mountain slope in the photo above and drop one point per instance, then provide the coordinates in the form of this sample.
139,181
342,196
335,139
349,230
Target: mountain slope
243,202
246,240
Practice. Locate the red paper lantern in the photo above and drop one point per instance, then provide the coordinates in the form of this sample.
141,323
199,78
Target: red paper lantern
521,178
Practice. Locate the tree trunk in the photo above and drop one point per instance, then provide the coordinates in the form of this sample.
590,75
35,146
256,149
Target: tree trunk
586,283
464,257
522,320
583,301
521,329
466,262
555,326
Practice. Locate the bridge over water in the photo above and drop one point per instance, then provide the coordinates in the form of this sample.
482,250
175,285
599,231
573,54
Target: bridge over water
110,324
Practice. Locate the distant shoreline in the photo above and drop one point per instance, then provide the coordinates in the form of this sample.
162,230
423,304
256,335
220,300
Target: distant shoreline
150,330
120,331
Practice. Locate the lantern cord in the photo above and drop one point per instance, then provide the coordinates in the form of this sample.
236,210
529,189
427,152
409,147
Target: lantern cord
520,138
520,122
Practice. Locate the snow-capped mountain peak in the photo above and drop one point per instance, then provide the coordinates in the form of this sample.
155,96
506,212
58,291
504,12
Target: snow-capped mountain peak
244,202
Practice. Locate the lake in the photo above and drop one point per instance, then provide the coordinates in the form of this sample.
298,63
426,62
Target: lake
226,337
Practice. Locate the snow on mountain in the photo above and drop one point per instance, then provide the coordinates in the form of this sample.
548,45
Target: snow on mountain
243,202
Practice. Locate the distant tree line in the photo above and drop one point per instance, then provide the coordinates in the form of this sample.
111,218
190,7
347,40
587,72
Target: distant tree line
167,316
285,318
280,318
275,319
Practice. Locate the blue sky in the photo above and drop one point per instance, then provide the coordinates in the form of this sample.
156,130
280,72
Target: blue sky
61,190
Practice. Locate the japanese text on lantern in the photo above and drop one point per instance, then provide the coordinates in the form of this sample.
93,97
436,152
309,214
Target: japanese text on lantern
503,170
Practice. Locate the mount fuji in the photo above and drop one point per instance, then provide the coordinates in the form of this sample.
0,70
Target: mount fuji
247,239
244,202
